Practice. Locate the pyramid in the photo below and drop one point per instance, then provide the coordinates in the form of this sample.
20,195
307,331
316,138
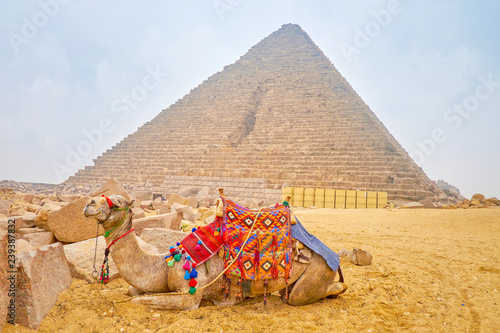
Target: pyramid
281,114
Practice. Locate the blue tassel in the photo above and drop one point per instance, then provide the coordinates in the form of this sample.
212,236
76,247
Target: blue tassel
193,274
187,275
193,230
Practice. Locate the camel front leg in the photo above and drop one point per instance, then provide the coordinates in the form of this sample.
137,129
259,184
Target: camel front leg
170,301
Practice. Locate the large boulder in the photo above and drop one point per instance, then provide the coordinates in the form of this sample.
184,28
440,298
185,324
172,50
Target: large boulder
4,283
492,202
357,256
413,205
16,210
80,258
40,239
63,197
112,187
192,201
478,197
42,216
4,207
428,203
162,238
138,213
29,198
69,225
176,198
167,221
41,276
18,221
187,212
23,245
23,231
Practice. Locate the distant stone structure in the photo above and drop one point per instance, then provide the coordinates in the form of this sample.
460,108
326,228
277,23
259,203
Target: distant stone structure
281,114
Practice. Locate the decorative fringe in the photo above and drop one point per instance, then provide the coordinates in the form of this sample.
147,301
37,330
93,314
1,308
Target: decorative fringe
176,254
105,268
240,290
265,292
228,288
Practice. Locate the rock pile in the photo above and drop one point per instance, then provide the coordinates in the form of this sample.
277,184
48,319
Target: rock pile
54,242
477,201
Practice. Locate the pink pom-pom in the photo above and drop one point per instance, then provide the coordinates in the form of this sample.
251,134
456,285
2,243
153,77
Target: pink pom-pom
197,247
186,266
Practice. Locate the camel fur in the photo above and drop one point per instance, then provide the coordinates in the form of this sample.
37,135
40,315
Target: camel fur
151,279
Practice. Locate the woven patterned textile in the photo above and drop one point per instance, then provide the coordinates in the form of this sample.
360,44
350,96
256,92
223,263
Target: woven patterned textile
267,253
203,243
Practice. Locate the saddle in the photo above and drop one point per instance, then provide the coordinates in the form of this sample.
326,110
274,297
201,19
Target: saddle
266,248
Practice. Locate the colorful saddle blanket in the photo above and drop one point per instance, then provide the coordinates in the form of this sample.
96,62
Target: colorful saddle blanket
267,253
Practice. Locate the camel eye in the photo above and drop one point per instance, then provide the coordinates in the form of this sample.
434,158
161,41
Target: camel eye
92,202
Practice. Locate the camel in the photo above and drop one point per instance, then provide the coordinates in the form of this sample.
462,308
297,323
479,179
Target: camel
151,280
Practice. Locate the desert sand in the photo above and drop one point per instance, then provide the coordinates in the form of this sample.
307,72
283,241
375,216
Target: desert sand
432,271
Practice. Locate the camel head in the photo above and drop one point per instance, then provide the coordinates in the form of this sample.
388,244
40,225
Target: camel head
109,213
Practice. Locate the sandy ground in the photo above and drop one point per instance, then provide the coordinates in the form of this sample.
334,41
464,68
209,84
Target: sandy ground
433,271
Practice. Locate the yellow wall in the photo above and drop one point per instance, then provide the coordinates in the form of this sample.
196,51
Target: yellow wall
360,199
371,200
308,197
330,198
298,197
319,197
350,199
340,199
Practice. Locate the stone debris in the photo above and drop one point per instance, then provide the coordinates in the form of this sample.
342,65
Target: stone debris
175,198
4,207
80,258
29,198
112,187
162,238
21,222
167,221
42,275
39,239
138,213
357,256
478,200
42,216
63,198
22,245
413,205
69,225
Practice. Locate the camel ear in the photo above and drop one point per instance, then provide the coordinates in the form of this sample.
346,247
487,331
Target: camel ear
118,201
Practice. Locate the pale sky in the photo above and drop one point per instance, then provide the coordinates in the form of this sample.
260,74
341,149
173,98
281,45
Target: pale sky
428,69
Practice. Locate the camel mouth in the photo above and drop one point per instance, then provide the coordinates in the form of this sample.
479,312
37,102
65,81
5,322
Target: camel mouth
89,215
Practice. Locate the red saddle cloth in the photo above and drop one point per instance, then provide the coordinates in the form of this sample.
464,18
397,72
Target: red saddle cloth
202,244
